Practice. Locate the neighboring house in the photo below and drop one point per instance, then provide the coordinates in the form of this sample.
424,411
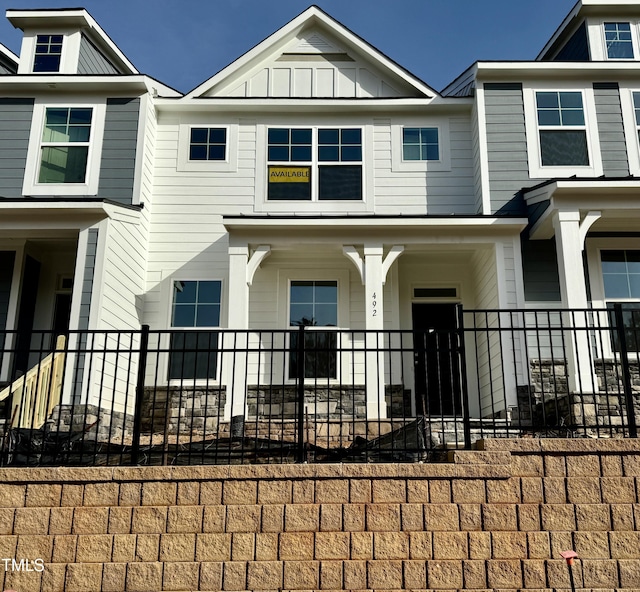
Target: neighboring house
316,182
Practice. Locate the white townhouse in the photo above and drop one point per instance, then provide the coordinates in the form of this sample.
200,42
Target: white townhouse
315,182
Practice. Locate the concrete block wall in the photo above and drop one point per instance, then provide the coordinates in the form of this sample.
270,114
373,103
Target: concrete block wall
492,519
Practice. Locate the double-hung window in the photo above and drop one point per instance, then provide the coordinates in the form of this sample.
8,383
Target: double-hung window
562,129
314,164
195,309
621,279
64,148
618,41
636,112
314,304
48,53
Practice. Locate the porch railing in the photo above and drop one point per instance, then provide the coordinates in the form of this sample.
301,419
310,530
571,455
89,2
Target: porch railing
321,394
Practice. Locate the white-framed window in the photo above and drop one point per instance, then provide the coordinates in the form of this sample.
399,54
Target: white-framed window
562,134
206,147
48,53
314,164
208,143
195,312
65,147
420,145
618,40
314,304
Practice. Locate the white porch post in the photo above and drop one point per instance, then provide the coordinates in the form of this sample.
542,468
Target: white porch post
236,361
374,315
569,243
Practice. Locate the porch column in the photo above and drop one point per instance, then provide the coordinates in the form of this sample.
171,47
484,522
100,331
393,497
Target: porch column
374,315
236,361
573,291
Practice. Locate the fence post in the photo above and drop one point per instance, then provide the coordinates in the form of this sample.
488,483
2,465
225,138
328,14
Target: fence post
626,373
301,456
464,395
137,418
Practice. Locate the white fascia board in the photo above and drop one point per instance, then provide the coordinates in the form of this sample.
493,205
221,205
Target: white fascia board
580,188
5,51
515,71
289,30
112,83
287,105
462,80
80,18
366,223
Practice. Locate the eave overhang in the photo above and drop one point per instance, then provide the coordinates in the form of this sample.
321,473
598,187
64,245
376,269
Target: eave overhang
108,84
617,200
387,229
518,71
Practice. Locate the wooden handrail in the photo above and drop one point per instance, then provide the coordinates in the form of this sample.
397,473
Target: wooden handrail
35,394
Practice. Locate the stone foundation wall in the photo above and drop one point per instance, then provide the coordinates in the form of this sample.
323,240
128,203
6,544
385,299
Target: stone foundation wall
494,519
107,425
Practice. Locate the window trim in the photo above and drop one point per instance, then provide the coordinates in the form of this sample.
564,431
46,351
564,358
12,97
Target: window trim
364,205
341,277
228,165
36,54
633,26
31,186
166,337
315,163
442,164
594,248
71,40
536,169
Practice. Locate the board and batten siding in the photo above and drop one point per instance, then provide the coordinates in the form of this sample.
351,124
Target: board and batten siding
91,61
15,126
613,148
506,146
420,192
117,166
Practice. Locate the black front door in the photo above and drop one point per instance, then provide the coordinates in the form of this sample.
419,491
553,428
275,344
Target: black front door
436,359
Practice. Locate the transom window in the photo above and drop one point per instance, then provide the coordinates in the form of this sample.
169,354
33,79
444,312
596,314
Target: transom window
618,41
420,143
314,304
65,145
48,53
195,304
207,143
328,164
561,124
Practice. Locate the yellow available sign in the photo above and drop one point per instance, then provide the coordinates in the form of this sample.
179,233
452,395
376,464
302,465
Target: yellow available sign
289,174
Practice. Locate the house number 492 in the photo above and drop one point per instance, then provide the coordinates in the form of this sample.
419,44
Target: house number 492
374,305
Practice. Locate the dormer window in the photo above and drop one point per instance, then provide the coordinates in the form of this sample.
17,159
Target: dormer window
618,41
48,53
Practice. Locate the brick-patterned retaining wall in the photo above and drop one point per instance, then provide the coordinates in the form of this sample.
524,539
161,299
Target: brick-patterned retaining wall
491,519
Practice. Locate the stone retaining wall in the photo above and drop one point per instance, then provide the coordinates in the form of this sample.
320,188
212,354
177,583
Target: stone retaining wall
495,519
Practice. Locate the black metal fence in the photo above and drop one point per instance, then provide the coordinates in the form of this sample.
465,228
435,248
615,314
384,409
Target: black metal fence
317,394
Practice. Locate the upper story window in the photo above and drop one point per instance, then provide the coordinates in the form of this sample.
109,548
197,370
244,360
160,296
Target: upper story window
420,143
65,148
618,41
207,143
48,53
561,125
636,111
65,145
327,164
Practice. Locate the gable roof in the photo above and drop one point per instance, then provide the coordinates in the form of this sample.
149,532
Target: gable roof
8,58
73,17
325,36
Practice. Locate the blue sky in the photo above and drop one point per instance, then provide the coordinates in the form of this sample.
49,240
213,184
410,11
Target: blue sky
184,42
